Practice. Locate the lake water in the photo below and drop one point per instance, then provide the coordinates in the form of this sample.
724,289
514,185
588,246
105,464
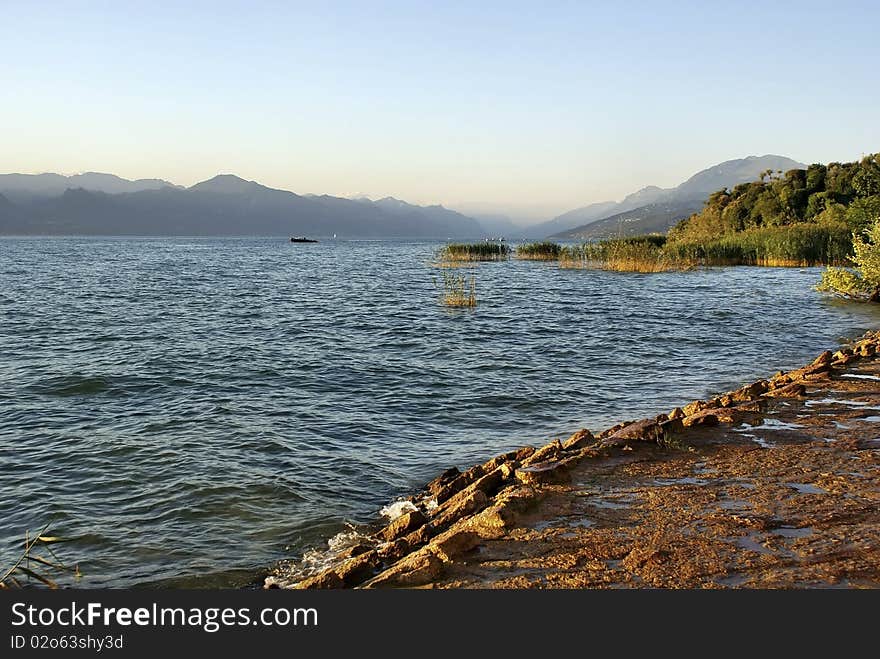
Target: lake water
189,411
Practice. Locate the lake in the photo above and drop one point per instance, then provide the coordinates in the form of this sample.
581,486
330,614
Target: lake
189,411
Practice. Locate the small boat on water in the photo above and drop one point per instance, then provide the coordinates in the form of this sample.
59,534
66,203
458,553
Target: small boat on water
302,239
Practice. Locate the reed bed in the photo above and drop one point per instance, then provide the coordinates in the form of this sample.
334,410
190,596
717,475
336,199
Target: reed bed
639,254
540,251
459,291
795,245
484,251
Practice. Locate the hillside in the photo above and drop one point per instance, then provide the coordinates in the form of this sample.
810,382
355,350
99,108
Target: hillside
837,193
654,209
229,205
651,218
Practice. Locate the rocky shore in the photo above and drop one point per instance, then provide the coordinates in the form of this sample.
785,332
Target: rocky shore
775,484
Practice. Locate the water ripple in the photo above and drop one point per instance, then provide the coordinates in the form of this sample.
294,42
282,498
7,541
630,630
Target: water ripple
204,407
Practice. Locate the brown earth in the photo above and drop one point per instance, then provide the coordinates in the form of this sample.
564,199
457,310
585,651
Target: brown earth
775,485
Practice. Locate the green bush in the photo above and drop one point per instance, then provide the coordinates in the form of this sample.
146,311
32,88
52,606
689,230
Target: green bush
863,281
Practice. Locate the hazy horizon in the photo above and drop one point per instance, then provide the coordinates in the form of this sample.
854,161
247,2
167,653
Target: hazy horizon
501,109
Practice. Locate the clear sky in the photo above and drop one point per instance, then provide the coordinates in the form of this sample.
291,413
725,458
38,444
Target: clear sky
531,108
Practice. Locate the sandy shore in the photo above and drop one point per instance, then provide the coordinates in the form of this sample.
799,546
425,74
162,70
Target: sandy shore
776,485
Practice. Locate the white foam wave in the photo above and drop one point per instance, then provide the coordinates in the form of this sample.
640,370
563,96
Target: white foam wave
397,508
289,573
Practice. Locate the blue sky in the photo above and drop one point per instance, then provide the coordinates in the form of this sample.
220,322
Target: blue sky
529,108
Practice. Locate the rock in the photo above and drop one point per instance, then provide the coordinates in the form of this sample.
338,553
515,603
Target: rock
420,536
793,390
704,418
442,480
417,569
458,505
846,359
459,483
677,413
580,439
779,380
510,456
712,417
464,503
402,525
321,581
454,542
752,406
750,392
811,370
489,483
494,521
551,471
507,470
672,426
825,358
613,429
646,430
549,452
695,406
357,569
393,551
355,550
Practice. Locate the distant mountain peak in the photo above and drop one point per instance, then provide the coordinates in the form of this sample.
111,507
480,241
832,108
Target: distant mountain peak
228,184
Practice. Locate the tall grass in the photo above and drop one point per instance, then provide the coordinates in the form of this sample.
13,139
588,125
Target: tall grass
540,251
636,254
795,245
485,251
458,291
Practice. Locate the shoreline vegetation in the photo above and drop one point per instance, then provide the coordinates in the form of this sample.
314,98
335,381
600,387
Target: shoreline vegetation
488,250
800,218
458,511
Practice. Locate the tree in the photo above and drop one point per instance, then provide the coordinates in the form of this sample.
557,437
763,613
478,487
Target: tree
863,281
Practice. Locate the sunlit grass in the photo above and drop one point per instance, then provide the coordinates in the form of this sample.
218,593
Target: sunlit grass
484,251
540,251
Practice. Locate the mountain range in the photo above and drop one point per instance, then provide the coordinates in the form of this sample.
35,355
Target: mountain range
656,210
105,204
